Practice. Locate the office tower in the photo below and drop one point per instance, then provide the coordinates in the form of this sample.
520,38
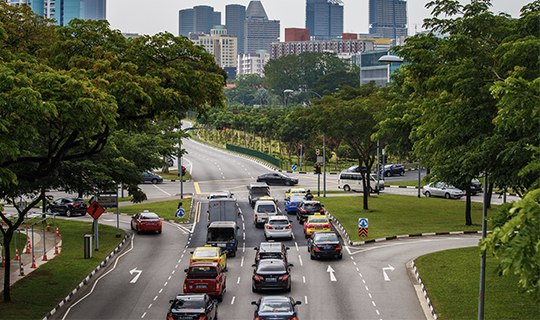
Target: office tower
95,9
185,17
217,19
222,46
235,14
64,11
203,19
388,18
324,19
259,32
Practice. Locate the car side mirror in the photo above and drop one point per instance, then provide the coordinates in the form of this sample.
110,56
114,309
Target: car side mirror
171,301
291,265
287,248
298,303
191,252
254,303
254,265
255,248
185,270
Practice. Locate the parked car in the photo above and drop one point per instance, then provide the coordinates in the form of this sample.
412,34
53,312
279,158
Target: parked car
257,190
355,168
442,189
390,170
291,205
149,177
308,208
277,178
315,223
146,221
206,277
324,244
262,211
67,206
209,253
276,307
271,250
193,306
271,274
278,227
476,186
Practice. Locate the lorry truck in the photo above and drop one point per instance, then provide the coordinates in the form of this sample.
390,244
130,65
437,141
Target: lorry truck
223,209
223,234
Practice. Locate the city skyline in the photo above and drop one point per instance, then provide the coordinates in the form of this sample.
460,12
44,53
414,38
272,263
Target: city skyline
135,16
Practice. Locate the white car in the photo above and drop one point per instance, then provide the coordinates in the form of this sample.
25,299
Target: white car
278,227
263,210
442,189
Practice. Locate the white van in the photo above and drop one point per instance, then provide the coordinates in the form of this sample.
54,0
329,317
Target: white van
353,181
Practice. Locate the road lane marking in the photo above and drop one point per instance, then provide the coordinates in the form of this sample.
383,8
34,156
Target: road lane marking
304,279
143,315
238,281
305,299
296,244
197,189
165,192
301,263
150,306
232,301
331,271
242,262
155,298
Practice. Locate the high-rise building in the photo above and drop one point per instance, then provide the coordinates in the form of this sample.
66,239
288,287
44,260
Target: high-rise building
324,19
185,22
235,14
259,32
222,46
203,19
388,18
65,10
252,62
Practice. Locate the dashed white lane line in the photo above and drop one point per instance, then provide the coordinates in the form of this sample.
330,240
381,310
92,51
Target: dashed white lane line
301,262
242,262
305,299
233,298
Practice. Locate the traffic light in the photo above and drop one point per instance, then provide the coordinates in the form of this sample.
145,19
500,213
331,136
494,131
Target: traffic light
183,171
220,128
317,168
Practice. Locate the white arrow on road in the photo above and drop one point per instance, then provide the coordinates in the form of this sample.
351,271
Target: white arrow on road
332,276
386,277
137,276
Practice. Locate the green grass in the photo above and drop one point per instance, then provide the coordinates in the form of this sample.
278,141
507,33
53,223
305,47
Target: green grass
412,183
164,209
391,215
452,280
40,291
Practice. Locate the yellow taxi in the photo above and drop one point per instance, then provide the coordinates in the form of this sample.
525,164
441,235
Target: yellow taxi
296,191
316,223
268,198
209,253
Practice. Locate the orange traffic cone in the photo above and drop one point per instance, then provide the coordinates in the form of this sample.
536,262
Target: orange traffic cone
45,256
33,262
57,233
16,254
48,227
56,249
28,246
22,270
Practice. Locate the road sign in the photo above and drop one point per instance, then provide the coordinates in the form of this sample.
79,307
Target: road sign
362,232
362,223
180,213
108,199
320,159
95,210
294,167
317,151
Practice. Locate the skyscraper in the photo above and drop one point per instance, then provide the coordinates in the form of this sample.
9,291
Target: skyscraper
65,10
203,19
388,18
235,14
324,19
259,32
185,22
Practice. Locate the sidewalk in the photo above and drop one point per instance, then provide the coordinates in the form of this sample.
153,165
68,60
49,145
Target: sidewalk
31,261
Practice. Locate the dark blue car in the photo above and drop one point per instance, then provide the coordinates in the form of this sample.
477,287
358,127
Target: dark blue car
291,205
276,307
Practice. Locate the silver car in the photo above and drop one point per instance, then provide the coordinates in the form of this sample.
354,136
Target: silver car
278,227
442,189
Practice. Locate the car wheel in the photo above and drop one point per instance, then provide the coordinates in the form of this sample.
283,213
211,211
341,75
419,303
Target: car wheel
233,253
138,231
287,183
312,256
347,188
371,190
265,237
131,225
220,297
340,256
159,231
402,173
388,174
288,289
300,221
447,195
69,213
253,289
427,194
154,181
49,211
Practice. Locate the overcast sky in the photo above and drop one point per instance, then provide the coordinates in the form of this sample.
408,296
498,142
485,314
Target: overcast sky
153,16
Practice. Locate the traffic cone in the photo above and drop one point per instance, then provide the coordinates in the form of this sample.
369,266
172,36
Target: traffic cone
56,249
3,260
28,246
33,262
16,254
22,270
57,233
48,227
45,256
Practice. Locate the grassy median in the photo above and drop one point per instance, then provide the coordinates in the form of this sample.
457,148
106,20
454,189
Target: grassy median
164,209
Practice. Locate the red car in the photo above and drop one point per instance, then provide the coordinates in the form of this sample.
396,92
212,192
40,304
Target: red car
146,221
206,277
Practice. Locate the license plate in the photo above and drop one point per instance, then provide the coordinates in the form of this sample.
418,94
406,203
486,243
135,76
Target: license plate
222,245
318,228
278,228
201,286
271,279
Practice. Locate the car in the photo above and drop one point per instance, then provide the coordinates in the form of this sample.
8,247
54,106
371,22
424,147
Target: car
354,181
257,190
271,274
206,277
276,307
324,244
476,186
316,222
278,227
149,177
193,306
209,253
355,168
220,194
442,189
146,221
67,206
277,178
291,205
262,211
296,191
271,250
381,181
268,198
308,208
390,170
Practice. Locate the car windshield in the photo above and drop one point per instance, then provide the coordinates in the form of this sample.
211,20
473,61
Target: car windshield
270,255
318,220
266,208
149,216
220,234
271,267
296,199
312,206
202,273
275,306
191,303
325,237
278,222
298,191
204,254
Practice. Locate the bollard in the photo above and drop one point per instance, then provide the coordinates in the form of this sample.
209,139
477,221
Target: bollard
87,246
22,270
56,249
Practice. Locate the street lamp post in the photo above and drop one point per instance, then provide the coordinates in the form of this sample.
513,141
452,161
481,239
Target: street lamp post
286,91
324,153
388,59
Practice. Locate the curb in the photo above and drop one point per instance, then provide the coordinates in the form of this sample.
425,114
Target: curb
85,281
413,235
433,313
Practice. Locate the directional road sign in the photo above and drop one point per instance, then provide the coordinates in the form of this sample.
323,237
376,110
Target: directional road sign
180,213
362,223
294,167
95,210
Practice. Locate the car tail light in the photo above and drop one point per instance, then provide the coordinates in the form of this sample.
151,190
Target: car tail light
291,204
338,248
322,210
170,317
328,226
218,260
315,248
259,278
269,227
260,318
203,317
303,211
288,227
191,260
293,318
217,286
185,287
284,277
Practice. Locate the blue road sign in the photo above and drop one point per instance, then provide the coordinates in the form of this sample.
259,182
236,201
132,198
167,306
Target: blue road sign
294,167
180,213
362,222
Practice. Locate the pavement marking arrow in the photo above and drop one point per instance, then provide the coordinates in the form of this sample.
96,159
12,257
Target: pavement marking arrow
137,276
386,277
332,276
